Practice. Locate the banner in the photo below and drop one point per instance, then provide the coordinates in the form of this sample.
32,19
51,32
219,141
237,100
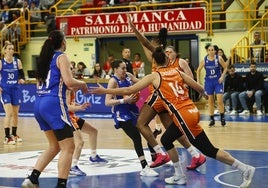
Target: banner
109,24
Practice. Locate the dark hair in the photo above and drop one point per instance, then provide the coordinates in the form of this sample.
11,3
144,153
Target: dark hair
83,64
116,63
162,37
207,46
231,66
159,56
52,43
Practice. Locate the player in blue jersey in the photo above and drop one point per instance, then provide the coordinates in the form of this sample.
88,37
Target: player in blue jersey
125,111
11,77
54,76
216,69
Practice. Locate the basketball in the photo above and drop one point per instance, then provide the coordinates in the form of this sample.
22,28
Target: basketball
136,97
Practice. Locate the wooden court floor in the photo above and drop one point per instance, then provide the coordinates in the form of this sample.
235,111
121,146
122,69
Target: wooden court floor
242,134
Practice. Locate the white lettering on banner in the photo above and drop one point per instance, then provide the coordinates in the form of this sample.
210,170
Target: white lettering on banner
175,20
26,97
93,99
152,27
144,18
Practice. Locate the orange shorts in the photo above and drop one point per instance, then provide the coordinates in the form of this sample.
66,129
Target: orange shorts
187,119
155,102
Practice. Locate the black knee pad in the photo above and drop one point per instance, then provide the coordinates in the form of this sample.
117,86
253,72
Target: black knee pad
203,144
166,142
66,132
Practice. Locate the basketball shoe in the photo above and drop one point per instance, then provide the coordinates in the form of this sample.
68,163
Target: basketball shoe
196,162
160,160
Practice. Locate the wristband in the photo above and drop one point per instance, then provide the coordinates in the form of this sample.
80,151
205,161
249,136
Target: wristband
121,101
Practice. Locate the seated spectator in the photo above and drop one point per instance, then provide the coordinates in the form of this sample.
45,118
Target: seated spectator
107,65
6,15
46,4
35,13
254,90
81,70
233,85
98,72
138,66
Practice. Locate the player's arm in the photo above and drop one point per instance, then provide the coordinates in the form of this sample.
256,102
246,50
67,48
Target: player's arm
153,78
198,71
185,67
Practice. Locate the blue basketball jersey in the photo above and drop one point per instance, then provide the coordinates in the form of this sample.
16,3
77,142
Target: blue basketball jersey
50,108
213,68
124,112
9,74
54,85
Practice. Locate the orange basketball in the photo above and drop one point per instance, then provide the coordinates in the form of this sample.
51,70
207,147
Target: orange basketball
136,97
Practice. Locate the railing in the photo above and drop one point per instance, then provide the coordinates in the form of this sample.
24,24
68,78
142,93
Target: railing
242,47
14,32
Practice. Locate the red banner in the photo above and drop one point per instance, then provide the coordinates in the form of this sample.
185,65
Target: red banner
103,24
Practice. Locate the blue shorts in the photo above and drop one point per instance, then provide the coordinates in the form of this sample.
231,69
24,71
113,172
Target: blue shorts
11,95
212,86
51,113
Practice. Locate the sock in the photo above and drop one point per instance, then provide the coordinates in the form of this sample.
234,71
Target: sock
34,176
14,131
212,118
143,163
61,183
7,132
239,165
93,153
158,149
222,115
178,169
74,162
193,151
158,126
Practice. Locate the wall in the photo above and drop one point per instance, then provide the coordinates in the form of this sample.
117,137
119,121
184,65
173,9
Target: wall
81,50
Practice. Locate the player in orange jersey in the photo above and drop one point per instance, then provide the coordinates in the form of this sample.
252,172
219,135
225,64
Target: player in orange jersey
170,87
154,106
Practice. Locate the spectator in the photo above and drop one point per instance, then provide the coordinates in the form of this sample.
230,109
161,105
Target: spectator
233,85
3,31
107,65
234,58
138,66
222,54
35,14
254,89
257,49
46,4
81,70
6,15
98,72
126,54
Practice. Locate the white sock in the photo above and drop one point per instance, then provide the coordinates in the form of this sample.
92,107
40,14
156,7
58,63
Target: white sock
74,162
178,169
158,126
93,153
193,151
239,165
158,149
